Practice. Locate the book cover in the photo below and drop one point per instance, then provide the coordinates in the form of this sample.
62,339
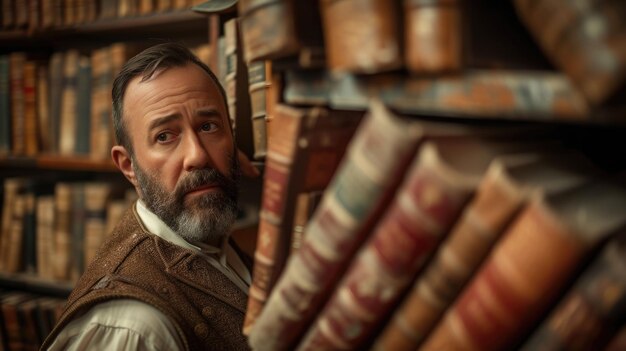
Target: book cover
83,106
303,156
433,36
16,64
508,184
68,118
360,189
437,186
528,268
590,314
5,105
258,81
362,35
31,127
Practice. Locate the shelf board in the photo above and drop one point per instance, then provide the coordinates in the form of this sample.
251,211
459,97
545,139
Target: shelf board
55,162
34,284
164,24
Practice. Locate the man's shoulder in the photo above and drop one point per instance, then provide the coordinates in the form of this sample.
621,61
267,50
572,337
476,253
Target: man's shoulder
121,322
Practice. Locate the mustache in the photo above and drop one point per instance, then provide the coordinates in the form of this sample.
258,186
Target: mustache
203,177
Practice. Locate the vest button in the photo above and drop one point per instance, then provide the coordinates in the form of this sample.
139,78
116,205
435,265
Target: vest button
207,312
201,330
164,290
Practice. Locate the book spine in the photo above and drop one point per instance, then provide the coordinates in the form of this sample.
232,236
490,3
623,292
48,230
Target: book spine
592,311
563,30
361,35
433,36
425,208
257,78
5,105
276,185
17,60
67,137
56,96
31,130
83,106
230,78
62,230
485,217
43,108
361,187
518,281
267,29
306,203
15,244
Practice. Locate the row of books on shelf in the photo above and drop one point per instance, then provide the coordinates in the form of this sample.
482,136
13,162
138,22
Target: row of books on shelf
438,235
41,15
26,319
61,104
52,229
442,57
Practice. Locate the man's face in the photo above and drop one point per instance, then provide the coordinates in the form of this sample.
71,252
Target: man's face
183,158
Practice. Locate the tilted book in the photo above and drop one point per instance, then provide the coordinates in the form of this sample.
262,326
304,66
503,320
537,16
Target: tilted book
506,187
528,268
302,156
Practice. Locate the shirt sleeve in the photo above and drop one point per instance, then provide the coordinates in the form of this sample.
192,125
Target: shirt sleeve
124,324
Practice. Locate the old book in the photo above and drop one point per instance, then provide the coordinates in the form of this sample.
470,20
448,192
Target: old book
20,9
360,190
231,72
590,314
11,188
306,203
362,35
108,9
303,156
10,316
47,14
14,259
43,108
57,62
31,128
29,227
96,199
5,105
77,231
68,119
509,182
34,15
8,17
146,7
83,106
433,36
16,64
528,268
274,97
585,39
258,79
279,29
69,12
62,230
45,236
101,120
439,182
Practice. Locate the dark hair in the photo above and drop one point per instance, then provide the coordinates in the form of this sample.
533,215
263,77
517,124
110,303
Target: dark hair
146,63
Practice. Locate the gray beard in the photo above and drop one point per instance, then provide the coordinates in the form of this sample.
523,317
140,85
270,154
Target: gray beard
206,218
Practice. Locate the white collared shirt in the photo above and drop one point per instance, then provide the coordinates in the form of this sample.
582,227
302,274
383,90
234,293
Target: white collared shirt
128,324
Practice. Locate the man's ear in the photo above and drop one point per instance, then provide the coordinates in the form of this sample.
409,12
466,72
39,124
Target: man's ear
122,160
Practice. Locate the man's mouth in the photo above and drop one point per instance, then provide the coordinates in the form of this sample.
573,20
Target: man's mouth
202,190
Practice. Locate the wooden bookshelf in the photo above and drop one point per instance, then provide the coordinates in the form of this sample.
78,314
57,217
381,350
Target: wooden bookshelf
34,284
167,25
58,163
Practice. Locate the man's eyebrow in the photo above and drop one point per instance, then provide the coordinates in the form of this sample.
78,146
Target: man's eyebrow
162,120
207,112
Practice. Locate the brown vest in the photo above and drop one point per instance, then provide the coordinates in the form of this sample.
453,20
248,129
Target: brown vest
206,308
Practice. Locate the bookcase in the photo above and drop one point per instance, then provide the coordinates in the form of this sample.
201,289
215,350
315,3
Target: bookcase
60,191
423,165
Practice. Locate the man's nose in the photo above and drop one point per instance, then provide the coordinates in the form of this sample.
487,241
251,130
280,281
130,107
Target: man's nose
195,154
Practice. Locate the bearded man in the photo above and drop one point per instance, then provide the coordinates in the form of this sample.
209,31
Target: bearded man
168,278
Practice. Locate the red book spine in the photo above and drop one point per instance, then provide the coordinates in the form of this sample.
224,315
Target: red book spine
424,209
521,277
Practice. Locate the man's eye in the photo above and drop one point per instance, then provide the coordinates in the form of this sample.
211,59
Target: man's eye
209,126
162,137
